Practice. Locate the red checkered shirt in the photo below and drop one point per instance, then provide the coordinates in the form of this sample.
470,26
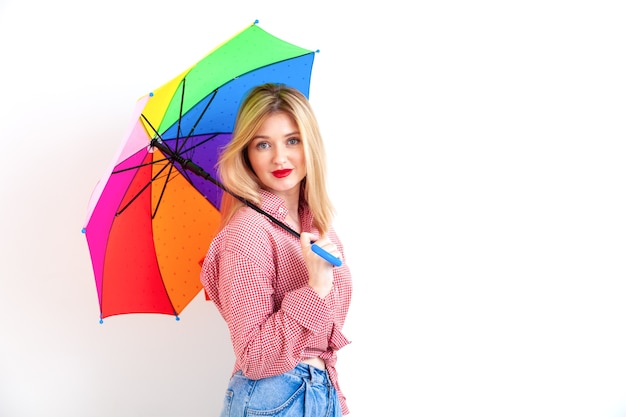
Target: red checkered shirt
255,274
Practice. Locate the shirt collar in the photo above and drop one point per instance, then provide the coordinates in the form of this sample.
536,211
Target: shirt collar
273,205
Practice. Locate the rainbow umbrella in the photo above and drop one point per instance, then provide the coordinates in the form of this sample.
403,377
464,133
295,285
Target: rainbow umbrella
152,217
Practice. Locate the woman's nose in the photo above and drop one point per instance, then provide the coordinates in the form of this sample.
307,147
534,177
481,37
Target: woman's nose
280,154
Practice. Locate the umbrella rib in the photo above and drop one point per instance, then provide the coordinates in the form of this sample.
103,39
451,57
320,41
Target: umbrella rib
136,167
193,128
202,114
155,131
167,179
144,188
180,113
200,143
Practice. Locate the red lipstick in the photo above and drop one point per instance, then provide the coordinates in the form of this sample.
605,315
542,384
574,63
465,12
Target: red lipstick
281,173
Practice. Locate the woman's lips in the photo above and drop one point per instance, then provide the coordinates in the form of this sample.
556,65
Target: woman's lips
281,173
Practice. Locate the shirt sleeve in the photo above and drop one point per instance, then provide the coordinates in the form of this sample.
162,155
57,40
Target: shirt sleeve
268,339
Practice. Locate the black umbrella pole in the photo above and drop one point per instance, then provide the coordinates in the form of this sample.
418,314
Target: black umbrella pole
189,165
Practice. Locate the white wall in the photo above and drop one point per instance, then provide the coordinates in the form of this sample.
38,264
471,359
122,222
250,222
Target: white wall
477,161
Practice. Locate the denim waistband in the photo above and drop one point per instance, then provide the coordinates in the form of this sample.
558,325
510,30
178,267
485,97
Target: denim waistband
311,373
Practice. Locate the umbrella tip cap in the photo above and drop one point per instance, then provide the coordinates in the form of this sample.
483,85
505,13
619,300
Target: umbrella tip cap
177,318
83,230
256,21
151,94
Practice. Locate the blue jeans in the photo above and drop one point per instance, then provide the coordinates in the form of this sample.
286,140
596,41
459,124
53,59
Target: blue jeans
305,391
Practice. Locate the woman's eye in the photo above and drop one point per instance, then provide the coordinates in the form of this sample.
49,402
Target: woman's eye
293,141
262,145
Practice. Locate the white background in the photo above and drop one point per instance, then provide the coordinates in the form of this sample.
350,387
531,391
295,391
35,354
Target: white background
476,152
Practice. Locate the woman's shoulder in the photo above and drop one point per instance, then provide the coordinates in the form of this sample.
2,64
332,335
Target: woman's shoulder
248,235
247,223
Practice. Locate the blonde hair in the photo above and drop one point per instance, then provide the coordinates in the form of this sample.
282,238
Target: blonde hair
236,173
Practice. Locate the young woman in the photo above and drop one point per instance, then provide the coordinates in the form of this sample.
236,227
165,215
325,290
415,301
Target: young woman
284,305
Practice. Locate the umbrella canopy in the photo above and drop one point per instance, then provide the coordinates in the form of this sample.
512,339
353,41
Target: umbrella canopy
150,219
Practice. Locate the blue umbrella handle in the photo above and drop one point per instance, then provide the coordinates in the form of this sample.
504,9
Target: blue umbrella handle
330,258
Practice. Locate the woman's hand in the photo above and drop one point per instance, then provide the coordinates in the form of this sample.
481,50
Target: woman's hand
320,270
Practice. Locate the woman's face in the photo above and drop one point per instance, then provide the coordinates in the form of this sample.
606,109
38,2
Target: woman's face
276,154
